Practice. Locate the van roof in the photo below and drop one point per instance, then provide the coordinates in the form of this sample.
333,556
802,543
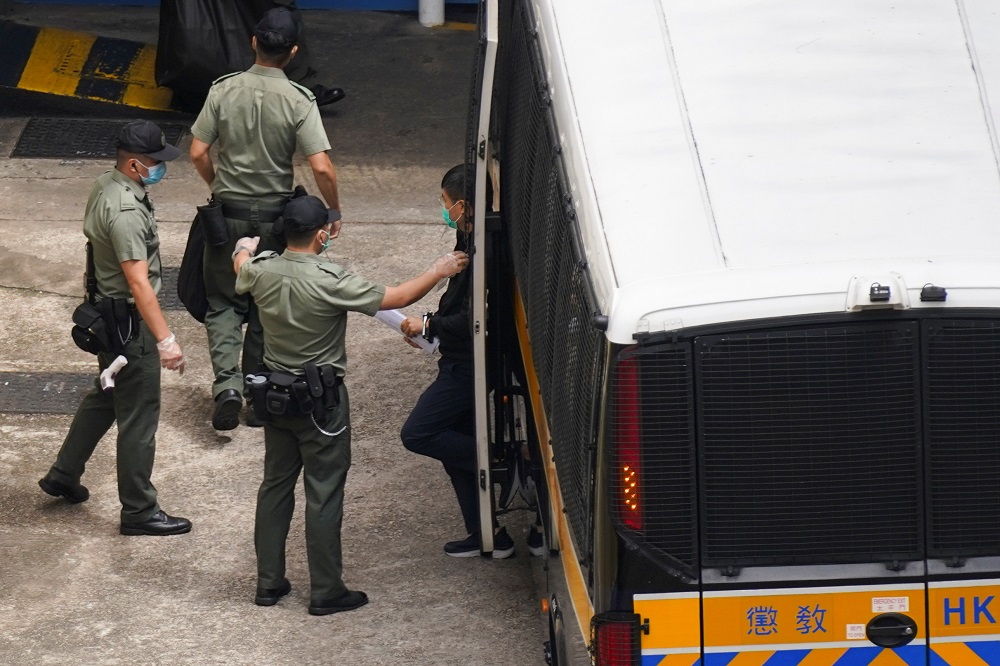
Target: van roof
738,159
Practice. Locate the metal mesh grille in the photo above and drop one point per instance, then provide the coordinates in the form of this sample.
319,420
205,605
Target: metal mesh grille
664,416
809,446
566,349
963,437
614,639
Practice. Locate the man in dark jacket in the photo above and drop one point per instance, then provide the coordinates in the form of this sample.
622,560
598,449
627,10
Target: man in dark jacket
442,424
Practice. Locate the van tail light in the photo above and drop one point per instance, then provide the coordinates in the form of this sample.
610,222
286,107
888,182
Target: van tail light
614,639
628,439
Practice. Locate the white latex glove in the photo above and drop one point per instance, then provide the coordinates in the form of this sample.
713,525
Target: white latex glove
171,356
247,243
449,264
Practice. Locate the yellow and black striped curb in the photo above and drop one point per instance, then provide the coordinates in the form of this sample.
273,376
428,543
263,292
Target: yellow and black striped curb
77,64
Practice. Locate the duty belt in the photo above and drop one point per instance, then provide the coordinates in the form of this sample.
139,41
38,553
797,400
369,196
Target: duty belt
314,394
249,214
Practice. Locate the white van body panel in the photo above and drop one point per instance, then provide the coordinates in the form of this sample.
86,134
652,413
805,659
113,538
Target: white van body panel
735,159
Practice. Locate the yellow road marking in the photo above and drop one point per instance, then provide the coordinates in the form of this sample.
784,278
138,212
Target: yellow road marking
56,61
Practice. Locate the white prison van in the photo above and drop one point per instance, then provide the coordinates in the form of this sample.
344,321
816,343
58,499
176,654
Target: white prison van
744,276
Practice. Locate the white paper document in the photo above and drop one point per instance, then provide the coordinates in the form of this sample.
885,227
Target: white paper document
393,319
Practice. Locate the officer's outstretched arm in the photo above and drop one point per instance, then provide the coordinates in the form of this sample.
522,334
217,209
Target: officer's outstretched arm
416,288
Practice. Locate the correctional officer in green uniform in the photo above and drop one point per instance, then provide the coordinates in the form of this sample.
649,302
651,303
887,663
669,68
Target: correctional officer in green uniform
258,118
120,225
300,69
303,300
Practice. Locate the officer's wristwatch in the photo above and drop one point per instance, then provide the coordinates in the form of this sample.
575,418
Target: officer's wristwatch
425,328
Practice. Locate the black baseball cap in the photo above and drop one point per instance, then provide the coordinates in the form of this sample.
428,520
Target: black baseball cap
307,213
144,137
281,21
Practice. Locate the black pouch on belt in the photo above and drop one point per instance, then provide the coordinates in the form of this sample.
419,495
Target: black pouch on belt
331,386
213,223
303,401
279,394
315,384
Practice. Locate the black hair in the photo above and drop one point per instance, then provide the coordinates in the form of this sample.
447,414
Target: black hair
297,236
272,47
454,183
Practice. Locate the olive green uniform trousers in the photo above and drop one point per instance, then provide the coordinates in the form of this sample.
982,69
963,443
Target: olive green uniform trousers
292,445
135,404
229,311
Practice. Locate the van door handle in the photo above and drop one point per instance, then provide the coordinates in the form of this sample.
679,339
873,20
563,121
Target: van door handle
891,630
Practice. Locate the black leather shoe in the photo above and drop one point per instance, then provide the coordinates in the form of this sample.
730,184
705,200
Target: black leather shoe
159,524
227,410
74,494
326,95
347,601
269,597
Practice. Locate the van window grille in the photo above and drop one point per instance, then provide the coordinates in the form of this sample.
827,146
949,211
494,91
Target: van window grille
963,437
567,351
809,446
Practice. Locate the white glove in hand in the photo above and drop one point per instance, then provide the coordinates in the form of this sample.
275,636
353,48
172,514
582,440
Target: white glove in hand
171,356
450,264
247,243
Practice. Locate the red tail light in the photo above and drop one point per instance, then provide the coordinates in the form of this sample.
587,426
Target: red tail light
628,439
615,639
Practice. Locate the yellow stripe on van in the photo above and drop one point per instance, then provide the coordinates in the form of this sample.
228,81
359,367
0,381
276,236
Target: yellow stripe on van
751,659
958,653
680,660
571,563
964,609
827,657
764,618
888,658
674,622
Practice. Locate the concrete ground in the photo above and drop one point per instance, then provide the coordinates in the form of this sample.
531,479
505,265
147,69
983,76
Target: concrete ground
72,590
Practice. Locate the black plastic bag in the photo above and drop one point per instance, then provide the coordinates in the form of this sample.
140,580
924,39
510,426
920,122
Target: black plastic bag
199,41
191,277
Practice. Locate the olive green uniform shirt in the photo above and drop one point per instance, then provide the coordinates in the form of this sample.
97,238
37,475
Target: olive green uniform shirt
259,117
303,300
121,225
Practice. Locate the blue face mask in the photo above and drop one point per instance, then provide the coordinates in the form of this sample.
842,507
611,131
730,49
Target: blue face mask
326,243
155,174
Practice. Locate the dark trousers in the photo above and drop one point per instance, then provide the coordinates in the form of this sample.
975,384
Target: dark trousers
135,405
293,445
229,311
442,426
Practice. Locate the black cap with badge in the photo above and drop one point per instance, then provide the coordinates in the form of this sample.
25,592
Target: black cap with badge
144,137
307,213
278,20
